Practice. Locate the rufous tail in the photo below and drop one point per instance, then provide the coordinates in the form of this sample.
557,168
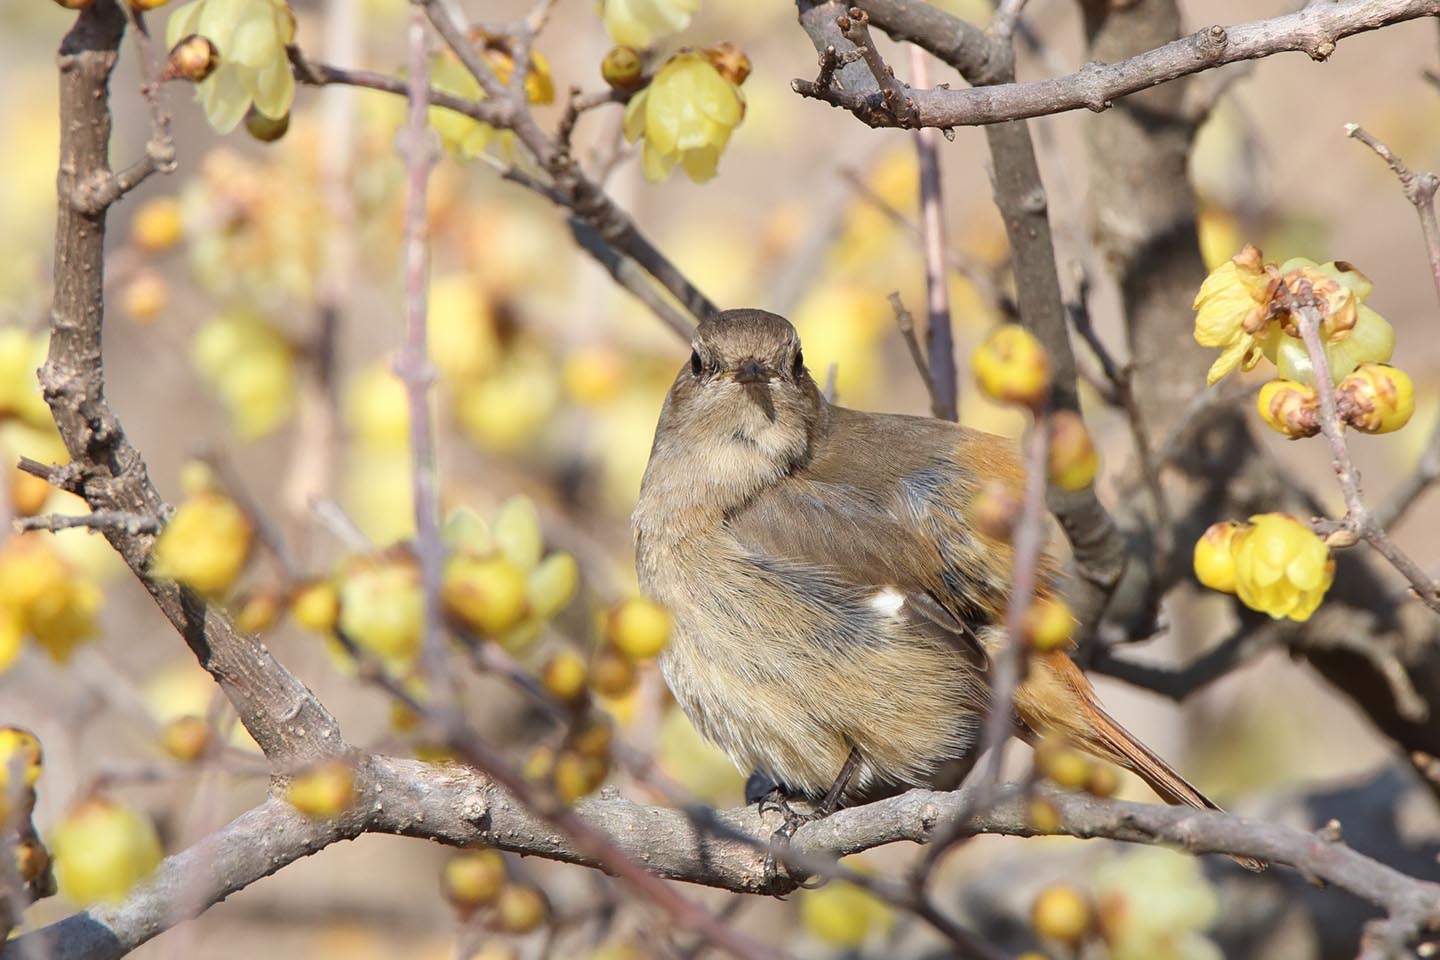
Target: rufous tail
1086,724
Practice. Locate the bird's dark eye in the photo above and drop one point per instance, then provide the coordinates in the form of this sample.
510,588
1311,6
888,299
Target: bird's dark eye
799,362
695,365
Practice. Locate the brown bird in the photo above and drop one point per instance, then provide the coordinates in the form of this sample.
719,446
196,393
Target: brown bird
835,608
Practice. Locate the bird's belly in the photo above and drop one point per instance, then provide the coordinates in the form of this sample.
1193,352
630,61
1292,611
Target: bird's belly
794,712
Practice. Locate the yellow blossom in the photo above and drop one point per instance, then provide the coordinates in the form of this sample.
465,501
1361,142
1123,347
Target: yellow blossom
1214,559
251,36
205,544
1011,366
1282,567
685,116
1376,398
21,354
382,607
102,850
1232,311
1352,332
43,595
462,134
252,368
1290,408
639,23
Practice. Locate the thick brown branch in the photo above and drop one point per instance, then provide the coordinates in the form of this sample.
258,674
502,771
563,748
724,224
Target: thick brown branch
288,722
456,806
1314,30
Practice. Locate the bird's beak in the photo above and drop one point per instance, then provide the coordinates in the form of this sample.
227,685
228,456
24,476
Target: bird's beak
752,371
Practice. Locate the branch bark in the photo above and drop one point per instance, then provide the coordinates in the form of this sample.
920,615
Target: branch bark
1313,30
285,718
455,805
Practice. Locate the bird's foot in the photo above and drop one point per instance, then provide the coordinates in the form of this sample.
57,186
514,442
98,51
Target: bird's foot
778,802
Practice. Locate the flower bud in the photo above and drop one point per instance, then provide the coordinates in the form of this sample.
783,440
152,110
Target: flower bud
258,611
159,224
28,492
382,607
1063,766
102,850
564,677
1011,366
265,128
19,750
316,606
1061,913
473,878
145,296
1073,461
486,594
1042,816
1214,559
194,58
205,544
575,775
595,740
729,60
1047,625
185,738
1103,780
1376,398
324,791
995,509
623,69
1290,408
520,909
638,628
613,675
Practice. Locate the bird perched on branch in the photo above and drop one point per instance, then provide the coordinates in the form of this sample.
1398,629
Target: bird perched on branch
835,608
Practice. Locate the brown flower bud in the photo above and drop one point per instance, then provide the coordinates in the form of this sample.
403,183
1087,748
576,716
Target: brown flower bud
194,58
623,69
1376,398
729,60
1290,408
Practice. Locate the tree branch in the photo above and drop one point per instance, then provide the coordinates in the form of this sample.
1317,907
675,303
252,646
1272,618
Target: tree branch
288,722
456,806
1314,30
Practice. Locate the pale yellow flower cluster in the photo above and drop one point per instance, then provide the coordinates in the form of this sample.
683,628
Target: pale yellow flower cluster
254,70
1275,564
685,117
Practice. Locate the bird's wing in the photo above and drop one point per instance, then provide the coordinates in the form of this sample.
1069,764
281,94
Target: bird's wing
840,537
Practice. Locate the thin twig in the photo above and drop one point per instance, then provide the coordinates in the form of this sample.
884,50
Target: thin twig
1420,189
413,364
906,323
131,523
1303,305
856,28
944,391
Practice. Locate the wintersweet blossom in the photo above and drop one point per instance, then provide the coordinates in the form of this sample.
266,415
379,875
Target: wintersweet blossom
254,70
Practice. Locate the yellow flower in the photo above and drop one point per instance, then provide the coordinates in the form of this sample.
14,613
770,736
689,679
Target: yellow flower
1011,366
205,544
1232,310
21,354
1352,332
639,23
1214,559
1281,567
1290,408
102,850
686,116
1376,398
464,135
252,368
251,36
382,606
43,595
1155,904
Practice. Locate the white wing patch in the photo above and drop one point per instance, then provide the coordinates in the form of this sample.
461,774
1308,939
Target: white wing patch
888,601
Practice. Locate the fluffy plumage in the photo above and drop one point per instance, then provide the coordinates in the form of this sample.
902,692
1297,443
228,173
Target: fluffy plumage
828,589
